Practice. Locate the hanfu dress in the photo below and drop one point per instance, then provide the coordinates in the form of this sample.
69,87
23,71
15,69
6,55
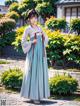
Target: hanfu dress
35,83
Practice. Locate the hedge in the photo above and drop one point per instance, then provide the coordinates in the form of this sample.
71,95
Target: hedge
56,24
12,78
63,85
6,25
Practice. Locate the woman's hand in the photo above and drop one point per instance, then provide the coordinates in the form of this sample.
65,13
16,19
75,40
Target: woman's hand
34,41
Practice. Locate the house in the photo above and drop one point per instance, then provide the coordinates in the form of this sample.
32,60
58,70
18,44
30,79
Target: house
3,9
69,9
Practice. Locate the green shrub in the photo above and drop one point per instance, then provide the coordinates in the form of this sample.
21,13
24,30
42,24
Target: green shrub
17,42
7,39
63,48
14,15
12,78
1,15
55,24
56,47
6,25
75,25
63,85
72,48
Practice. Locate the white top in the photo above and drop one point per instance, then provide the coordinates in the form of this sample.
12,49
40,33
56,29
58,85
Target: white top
30,31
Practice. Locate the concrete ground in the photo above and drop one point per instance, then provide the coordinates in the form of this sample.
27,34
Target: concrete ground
9,99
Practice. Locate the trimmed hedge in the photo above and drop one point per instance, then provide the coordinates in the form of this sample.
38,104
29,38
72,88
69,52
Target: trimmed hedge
55,24
17,42
63,85
14,15
12,78
7,39
75,25
6,25
63,48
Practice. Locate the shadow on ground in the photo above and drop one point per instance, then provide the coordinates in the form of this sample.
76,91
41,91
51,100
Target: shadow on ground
42,102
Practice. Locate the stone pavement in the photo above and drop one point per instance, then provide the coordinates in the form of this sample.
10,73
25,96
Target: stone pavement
9,99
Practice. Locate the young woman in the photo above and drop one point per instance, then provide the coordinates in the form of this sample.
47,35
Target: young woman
35,84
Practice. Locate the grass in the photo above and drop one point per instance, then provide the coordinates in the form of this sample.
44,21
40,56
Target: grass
4,62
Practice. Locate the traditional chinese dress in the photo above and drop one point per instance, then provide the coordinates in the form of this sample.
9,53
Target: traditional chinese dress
35,83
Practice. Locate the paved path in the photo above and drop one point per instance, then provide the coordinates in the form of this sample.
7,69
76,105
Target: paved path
15,100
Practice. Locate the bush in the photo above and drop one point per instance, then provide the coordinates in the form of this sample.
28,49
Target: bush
72,48
63,48
6,25
7,39
12,78
55,48
63,85
55,24
75,25
17,42
14,15
1,15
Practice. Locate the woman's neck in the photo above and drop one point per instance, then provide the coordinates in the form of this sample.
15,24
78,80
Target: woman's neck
34,26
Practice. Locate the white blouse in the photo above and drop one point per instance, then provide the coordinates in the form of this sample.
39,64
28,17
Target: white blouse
30,31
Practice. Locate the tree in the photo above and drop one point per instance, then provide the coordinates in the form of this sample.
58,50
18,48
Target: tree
26,5
14,7
9,2
46,7
75,25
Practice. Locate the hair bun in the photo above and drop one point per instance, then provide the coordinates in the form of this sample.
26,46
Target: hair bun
32,13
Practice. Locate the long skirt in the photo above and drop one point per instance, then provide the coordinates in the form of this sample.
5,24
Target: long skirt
35,84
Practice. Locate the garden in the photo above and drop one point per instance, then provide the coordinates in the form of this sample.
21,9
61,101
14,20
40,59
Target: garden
63,49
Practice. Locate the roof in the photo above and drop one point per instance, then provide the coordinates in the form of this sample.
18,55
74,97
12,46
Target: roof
62,2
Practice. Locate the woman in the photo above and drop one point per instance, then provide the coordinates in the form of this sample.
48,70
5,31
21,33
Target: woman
35,84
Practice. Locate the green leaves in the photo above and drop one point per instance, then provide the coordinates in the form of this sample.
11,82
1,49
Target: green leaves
75,25
12,78
63,84
56,24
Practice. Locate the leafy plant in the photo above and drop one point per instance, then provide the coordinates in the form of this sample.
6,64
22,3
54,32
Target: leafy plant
55,24
63,85
14,15
75,25
12,78
6,25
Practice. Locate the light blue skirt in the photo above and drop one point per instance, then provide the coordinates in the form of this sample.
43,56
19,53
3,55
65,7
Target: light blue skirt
35,84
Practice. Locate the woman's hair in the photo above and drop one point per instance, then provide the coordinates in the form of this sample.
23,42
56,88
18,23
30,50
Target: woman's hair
32,13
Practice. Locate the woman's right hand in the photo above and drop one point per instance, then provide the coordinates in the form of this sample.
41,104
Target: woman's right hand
34,41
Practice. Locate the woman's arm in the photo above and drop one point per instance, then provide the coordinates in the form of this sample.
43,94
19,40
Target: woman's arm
26,45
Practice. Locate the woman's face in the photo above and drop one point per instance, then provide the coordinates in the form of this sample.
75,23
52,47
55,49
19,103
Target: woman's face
33,20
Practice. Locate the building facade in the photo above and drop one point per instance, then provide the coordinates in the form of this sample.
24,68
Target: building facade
3,9
69,9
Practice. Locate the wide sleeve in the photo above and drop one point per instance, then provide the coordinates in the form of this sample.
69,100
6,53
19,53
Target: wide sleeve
26,45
